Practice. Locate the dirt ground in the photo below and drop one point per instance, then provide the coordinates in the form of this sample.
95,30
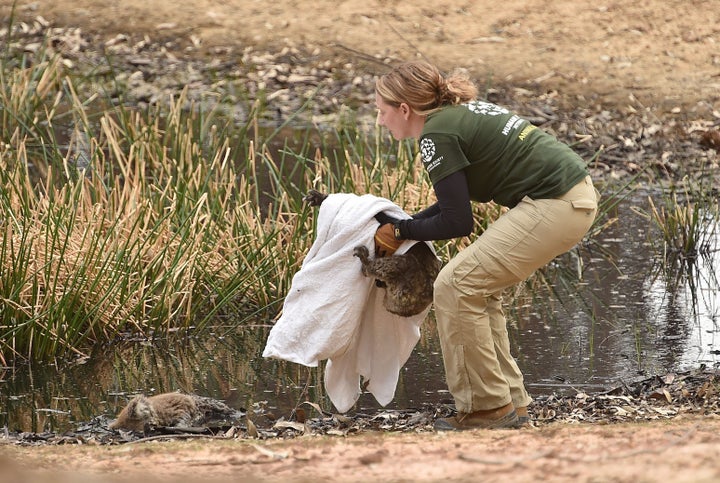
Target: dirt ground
663,55
680,450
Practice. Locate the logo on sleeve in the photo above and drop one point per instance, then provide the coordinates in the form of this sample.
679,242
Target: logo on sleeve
427,150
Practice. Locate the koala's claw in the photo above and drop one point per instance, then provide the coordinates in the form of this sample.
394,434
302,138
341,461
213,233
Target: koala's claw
314,198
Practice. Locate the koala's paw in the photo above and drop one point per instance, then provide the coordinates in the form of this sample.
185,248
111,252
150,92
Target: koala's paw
361,252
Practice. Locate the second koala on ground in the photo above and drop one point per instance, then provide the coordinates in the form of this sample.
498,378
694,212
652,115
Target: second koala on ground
407,278
171,410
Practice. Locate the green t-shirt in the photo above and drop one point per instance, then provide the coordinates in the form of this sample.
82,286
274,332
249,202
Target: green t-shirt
505,158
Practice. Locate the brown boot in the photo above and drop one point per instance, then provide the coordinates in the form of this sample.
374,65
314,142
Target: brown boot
503,417
523,416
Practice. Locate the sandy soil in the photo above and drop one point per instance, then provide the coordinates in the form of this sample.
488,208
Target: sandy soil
664,54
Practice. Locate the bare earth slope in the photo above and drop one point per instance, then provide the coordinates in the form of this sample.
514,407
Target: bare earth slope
664,52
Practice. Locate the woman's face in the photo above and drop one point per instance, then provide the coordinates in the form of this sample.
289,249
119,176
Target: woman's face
395,119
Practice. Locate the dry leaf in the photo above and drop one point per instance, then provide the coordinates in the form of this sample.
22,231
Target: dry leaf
252,429
290,424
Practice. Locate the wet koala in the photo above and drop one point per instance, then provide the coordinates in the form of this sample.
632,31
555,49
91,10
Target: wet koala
171,410
407,278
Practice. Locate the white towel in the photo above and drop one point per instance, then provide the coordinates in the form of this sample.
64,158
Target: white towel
334,312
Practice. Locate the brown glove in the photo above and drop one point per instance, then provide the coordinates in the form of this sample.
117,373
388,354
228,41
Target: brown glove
385,241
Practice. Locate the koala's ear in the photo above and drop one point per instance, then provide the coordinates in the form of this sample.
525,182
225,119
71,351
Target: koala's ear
135,407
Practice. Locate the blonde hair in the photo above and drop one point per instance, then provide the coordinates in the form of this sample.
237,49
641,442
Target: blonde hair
424,88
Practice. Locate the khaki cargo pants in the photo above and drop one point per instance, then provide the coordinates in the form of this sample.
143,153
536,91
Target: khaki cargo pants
481,373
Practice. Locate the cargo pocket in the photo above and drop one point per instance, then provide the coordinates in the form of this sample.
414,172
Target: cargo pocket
587,205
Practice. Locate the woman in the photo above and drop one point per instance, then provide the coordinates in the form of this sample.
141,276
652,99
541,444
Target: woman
478,151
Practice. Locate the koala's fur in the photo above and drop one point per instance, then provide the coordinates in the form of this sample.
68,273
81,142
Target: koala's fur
407,278
170,410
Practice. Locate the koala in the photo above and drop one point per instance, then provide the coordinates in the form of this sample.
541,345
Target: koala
408,278
171,410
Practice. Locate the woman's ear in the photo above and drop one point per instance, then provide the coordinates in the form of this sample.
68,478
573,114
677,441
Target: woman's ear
405,110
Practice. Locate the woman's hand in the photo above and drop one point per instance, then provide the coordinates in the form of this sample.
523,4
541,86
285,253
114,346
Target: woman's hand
385,242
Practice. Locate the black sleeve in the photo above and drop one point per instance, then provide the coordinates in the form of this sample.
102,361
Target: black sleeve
450,217
432,210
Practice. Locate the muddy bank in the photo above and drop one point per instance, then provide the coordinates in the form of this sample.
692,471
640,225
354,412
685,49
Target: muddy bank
662,397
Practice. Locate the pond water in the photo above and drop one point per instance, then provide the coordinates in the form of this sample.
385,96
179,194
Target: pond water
630,316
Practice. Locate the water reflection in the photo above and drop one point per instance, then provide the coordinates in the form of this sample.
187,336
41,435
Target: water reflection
631,315
687,308
635,315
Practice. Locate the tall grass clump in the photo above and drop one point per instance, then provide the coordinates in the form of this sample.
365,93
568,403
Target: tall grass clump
687,218
686,221
121,221
157,229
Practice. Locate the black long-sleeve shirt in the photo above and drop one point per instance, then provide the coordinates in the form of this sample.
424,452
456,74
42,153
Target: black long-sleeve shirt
450,217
